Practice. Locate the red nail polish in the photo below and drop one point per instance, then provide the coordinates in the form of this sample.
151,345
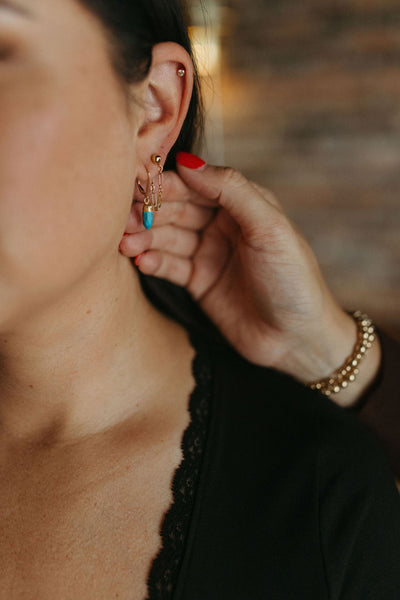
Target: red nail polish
138,257
191,161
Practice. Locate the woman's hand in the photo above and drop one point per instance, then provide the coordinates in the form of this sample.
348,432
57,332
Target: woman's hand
228,241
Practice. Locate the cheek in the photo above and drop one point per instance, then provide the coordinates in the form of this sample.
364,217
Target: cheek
66,179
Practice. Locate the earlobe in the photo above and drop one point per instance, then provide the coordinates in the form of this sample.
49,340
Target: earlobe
167,97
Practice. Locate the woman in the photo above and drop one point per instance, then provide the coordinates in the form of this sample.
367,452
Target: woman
276,492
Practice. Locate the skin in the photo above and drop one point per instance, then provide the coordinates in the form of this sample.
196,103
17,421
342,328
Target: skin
92,406
94,381
70,152
230,243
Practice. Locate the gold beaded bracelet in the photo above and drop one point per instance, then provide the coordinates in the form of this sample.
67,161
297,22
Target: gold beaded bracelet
348,372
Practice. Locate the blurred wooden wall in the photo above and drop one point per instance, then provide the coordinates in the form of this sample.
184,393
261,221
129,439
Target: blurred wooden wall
310,95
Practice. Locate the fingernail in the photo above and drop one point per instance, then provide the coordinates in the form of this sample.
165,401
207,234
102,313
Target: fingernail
191,161
138,258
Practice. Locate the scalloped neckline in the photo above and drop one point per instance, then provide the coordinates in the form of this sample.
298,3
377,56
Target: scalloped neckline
165,567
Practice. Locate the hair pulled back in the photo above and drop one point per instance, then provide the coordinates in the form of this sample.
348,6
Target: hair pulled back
134,27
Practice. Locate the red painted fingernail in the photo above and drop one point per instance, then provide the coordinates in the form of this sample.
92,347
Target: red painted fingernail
138,257
191,161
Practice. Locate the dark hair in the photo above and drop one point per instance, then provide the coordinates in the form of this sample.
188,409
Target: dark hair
133,28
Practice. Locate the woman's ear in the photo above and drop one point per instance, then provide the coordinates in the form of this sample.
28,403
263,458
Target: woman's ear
167,94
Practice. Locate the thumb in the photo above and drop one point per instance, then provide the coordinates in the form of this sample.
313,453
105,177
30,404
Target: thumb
226,187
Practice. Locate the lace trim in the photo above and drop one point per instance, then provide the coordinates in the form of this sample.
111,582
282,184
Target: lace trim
165,567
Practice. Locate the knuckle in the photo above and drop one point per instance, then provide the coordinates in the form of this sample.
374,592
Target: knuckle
159,263
274,232
193,242
234,178
177,270
178,213
171,240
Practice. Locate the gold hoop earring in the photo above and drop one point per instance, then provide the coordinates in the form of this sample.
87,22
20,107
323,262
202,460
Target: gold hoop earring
152,198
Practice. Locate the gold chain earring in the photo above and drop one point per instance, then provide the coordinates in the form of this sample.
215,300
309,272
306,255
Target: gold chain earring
152,198
156,159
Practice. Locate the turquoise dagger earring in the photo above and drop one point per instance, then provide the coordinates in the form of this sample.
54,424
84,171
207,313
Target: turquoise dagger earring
152,198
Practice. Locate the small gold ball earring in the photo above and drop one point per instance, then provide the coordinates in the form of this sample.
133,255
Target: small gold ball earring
156,159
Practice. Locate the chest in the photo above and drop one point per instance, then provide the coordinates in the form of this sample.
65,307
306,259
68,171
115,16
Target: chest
86,525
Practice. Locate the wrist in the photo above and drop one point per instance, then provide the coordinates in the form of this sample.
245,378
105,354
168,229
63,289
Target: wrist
368,371
345,370
342,358
348,371
323,347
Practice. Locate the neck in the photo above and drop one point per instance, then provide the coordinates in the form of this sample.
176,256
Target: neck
85,363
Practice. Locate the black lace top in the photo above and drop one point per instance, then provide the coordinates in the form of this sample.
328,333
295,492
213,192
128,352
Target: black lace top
165,567
280,494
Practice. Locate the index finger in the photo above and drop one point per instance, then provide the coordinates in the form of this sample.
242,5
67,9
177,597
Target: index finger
248,204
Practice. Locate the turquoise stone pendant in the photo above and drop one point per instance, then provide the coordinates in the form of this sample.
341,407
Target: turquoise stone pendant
147,216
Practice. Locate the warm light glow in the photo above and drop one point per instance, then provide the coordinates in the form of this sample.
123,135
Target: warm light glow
206,47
